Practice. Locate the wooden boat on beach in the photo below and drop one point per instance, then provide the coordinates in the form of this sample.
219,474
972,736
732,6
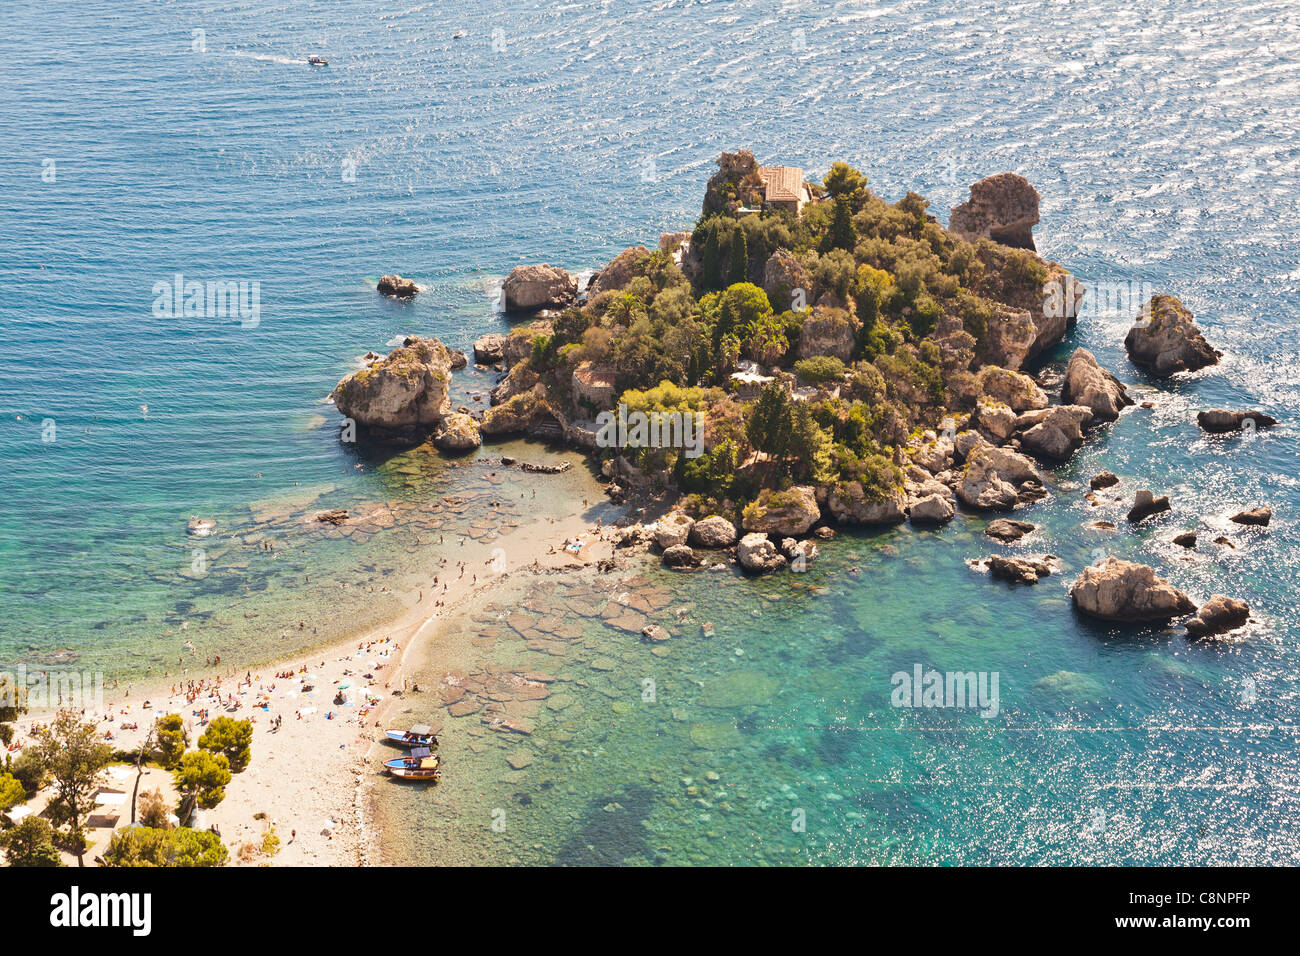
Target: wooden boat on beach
419,764
420,735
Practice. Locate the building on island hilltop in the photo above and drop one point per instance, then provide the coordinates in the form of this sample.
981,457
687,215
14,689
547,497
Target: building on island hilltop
784,188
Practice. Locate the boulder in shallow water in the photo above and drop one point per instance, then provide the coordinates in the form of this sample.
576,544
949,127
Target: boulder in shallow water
789,512
490,348
1220,420
1103,480
757,553
655,634
458,432
680,556
1118,590
530,288
1008,529
1145,504
849,502
933,509
1018,570
1087,383
673,529
397,287
1219,615
1255,516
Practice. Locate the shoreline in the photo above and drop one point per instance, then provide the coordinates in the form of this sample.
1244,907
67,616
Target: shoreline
310,776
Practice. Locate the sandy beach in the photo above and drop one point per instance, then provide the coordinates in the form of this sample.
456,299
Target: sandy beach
312,758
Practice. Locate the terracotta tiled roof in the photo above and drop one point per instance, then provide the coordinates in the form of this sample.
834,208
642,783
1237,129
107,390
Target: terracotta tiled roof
592,377
784,183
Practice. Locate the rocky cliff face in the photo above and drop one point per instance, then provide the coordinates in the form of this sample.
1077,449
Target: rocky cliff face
404,393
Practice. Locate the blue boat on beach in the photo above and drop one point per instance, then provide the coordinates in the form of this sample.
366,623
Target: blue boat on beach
420,735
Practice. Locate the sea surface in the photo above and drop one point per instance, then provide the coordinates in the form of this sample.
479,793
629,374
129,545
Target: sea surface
142,140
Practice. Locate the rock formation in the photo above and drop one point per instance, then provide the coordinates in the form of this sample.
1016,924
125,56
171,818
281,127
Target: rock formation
1003,208
404,392
529,288
1218,615
1220,420
1118,590
789,512
756,552
1165,339
1087,383
397,287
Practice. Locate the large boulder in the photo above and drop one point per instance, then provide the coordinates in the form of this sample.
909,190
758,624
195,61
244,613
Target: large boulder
827,332
621,270
849,502
1166,339
1087,383
993,478
782,274
931,509
1014,389
1054,433
680,556
458,432
397,287
406,391
714,531
1003,208
1219,615
489,349
1220,420
994,420
756,552
529,288
673,529
789,512
1118,590
519,343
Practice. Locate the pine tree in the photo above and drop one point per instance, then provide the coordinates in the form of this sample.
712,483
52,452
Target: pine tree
712,265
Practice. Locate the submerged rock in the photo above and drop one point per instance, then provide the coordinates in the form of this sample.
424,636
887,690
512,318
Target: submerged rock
1219,615
1087,383
1166,339
1119,590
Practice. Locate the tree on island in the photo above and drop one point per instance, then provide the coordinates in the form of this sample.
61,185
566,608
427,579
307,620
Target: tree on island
201,781
12,792
841,235
845,182
30,843
233,738
75,756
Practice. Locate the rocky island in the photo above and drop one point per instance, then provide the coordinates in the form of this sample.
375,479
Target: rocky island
849,360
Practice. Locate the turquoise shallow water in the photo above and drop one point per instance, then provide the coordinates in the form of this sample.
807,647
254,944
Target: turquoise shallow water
1163,143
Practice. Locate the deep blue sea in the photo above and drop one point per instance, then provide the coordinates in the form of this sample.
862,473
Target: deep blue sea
142,140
